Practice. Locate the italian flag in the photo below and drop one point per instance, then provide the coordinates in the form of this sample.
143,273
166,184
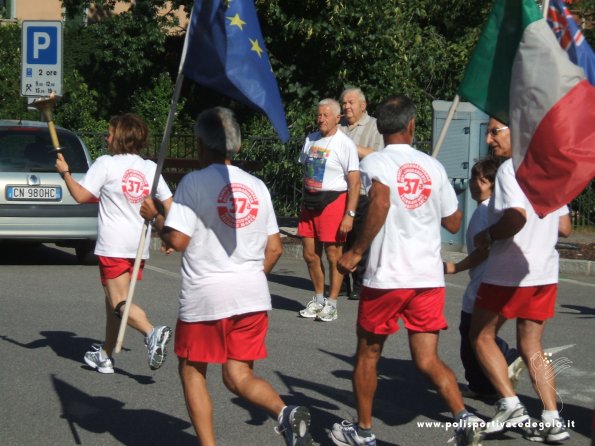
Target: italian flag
519,74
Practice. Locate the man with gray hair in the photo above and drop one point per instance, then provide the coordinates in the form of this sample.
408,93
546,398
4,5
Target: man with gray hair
222,219
411,198
362,129
331,190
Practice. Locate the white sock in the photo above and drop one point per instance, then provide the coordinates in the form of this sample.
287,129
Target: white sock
320,298
103,355
332,302
549,416
511,402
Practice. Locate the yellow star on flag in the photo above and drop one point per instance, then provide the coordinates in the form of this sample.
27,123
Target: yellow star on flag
256,47
236,21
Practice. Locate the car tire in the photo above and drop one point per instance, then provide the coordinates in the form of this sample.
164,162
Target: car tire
84,253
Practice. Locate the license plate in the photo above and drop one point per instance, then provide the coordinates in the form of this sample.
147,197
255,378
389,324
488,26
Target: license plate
33,193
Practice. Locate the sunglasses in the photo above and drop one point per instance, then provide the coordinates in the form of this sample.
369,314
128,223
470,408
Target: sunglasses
495,130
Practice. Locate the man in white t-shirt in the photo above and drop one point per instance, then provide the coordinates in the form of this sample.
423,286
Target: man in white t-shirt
330,194
519,282
410,199
222,218
361,128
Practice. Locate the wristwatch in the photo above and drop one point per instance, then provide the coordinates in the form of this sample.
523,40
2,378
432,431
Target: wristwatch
350,213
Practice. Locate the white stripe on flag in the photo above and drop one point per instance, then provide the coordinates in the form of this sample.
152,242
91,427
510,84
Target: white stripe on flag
541,75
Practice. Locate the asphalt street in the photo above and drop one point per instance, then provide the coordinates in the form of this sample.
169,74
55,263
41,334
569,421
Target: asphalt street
52,310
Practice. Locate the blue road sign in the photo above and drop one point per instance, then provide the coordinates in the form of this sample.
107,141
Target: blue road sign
42,45
41,63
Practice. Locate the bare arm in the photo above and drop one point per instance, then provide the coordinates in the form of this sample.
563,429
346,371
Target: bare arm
78,192
375,218
452,223
172,239
564,226
354,183
272,252
511,222
471,261
362,152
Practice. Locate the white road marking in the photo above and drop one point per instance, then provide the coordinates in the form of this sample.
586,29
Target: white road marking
163,271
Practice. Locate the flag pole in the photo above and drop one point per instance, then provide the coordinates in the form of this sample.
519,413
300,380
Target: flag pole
444,130
162,152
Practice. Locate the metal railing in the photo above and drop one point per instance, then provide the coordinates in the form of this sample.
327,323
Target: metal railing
280,171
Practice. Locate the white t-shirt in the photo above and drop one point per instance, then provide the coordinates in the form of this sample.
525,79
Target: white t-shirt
530,257
229,216
327,161
478,222
406,251
121,182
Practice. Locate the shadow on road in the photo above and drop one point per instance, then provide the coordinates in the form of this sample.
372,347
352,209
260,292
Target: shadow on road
579,310
34,254
129,427
67,344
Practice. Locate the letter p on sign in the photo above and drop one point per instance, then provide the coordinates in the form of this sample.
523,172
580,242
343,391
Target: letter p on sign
42,45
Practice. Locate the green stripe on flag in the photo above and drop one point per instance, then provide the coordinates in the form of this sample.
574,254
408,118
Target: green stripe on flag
486,83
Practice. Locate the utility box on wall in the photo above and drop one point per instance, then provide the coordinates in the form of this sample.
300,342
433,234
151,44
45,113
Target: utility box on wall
463,146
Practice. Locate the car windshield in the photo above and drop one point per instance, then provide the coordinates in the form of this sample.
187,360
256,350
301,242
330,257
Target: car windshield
30,149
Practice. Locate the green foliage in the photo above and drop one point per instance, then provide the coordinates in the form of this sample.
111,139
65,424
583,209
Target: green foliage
12,105
586,10
118,55
153,104
418,48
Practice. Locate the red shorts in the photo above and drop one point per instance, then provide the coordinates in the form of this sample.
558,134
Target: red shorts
324,225
114,267
532,302
421,309
239,337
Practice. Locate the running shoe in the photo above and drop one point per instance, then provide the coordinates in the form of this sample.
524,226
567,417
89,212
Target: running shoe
156,343
543,432
506,418
328,313
470,432
294,424
97,361
312,309
346,434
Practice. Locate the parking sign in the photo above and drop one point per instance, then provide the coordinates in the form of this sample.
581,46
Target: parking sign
41,62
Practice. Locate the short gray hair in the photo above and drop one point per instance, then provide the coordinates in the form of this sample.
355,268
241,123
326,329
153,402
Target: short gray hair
332,103
218,131
358,91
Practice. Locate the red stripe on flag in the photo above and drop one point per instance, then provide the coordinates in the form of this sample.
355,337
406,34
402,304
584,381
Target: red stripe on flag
560,160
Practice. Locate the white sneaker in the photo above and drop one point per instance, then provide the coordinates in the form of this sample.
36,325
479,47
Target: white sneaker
312,308
346,434
97,361
156,343
470,432
547,432
506,418
328,313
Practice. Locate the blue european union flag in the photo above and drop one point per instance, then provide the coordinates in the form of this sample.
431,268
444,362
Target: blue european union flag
225,51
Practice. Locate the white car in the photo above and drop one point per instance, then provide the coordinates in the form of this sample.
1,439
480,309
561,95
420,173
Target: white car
35,205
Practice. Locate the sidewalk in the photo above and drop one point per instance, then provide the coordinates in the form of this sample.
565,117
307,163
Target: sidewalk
292,247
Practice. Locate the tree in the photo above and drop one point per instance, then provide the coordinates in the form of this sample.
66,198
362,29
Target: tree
12,104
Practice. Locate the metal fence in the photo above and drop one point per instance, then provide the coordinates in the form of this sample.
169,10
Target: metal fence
282,174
